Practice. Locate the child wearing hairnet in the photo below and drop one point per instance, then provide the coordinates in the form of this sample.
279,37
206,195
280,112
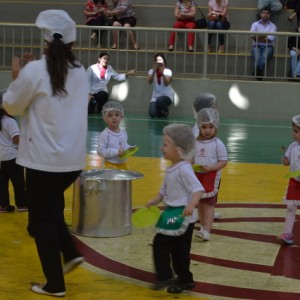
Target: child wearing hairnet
113,139
180,188
9,170
292,197
204,100
211,155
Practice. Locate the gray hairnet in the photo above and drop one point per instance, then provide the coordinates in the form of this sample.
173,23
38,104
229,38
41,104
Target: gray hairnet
207,116
204,101
296,120
112,105
183,138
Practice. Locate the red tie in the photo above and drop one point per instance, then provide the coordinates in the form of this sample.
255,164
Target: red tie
102,72
158,75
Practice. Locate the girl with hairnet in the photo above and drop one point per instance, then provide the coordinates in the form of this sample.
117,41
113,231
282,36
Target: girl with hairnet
180,190
112,141
292,197
211,155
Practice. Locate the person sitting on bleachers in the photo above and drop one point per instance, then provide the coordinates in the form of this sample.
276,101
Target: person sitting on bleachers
263,45
124,15
294,47
94,15
185,11
217,19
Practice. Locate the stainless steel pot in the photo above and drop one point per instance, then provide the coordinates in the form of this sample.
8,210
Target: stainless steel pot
102,203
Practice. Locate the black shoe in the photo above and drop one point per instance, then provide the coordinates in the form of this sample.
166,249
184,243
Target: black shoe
178,288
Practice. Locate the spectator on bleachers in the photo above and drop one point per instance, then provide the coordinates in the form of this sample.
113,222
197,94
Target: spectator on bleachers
124,15
294,47
275,6
185,11
162,95
217,19
295,5
94,13
263,45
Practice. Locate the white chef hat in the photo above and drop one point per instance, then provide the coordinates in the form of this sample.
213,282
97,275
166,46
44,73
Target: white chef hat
112,105
57,21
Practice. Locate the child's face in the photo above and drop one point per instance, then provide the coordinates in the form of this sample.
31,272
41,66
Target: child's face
113,119
208,131
168,149
296,133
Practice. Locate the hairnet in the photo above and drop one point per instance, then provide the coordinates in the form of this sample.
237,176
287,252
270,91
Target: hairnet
296,120
205,100
208,116
183,138
112,105
56,21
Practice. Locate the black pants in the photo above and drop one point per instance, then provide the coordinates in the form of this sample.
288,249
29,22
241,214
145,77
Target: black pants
160,108
100,98
175,249
47,224
9,170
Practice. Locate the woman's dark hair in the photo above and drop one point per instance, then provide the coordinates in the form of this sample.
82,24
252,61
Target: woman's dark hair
97,1
162,56
59,58
103,54
2,114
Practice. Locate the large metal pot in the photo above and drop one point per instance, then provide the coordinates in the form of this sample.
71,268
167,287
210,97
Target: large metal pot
102,203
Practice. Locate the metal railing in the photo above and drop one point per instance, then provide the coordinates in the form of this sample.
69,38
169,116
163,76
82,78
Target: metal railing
235,62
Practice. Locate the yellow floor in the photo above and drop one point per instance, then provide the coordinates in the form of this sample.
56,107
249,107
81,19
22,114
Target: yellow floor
241,183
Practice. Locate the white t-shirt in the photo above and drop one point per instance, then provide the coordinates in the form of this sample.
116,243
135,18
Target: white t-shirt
10,129
109,144
161,89
293,155
179,184
53,129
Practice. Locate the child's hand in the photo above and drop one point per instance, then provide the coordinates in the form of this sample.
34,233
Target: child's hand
285,161
188,211
121,151
206,169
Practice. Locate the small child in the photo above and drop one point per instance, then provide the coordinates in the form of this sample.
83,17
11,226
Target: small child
9,170
180,188
204,100
112,141
292,197
211,155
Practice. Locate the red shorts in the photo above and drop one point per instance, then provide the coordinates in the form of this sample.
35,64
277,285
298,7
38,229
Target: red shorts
293,191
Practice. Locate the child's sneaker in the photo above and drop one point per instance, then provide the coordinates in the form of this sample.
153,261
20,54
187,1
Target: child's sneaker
22,208
203,234
8,208
286,238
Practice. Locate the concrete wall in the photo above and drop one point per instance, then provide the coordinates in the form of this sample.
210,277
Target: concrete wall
265,100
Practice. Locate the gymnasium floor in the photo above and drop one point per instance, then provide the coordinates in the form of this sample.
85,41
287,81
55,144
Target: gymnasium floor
243,260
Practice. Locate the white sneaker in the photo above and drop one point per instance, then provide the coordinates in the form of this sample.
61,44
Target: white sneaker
217,215
72,264
203,234
38,288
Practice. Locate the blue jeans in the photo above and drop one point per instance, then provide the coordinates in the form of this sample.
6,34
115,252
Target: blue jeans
274,5
218,25
261,54
295,64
